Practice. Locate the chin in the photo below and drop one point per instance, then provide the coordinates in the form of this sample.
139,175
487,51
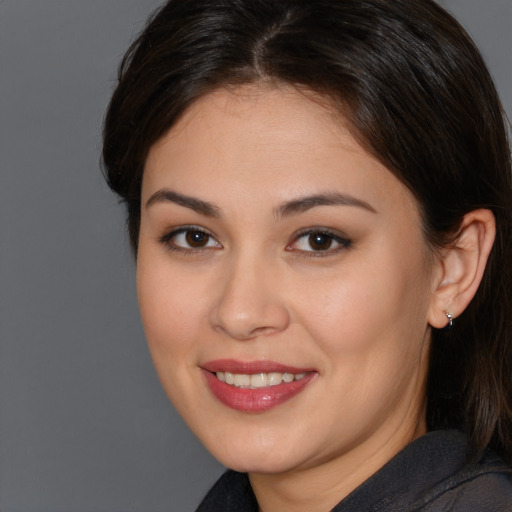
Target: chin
270,456
262,463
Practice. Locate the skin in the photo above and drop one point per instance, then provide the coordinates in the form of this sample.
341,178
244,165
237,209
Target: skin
357,313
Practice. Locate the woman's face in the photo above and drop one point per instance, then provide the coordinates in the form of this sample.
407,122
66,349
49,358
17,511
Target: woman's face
284,285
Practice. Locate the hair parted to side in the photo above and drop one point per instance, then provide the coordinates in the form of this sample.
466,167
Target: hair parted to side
416,94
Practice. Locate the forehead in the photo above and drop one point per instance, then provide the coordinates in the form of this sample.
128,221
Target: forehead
273,141
264,110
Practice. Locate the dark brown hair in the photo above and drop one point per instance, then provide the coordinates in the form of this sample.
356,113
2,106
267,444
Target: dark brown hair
417,95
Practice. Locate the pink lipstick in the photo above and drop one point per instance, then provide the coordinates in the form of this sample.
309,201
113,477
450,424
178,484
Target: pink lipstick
255,386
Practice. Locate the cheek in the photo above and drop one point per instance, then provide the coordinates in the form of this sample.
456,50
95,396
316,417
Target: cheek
368,326
370,307
172,305
173,315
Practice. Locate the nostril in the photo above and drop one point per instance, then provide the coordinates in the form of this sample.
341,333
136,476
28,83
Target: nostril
264,331
265,322
243,334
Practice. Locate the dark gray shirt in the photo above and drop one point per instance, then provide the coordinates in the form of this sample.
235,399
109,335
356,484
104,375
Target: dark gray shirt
431,474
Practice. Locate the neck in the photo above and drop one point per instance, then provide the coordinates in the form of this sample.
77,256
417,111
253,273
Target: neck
320,487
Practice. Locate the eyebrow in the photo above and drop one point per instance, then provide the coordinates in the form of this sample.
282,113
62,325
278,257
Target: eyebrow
293,207
306,203
198,205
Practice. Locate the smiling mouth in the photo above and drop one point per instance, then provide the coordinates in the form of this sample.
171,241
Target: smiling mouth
257,380
255,386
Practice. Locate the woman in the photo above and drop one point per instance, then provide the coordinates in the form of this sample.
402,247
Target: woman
319,197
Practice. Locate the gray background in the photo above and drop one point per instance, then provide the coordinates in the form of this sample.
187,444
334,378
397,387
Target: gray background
84,425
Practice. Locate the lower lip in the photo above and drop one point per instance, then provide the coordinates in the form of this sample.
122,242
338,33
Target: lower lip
258,399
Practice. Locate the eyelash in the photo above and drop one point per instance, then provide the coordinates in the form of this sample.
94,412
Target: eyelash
342,241
167,240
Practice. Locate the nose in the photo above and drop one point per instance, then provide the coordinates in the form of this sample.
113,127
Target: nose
250,303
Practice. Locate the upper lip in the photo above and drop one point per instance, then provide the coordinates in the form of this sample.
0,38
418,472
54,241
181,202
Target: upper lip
251,367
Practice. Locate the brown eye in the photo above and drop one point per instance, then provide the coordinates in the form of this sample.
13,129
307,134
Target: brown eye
188,239
320,241
196,239
317,242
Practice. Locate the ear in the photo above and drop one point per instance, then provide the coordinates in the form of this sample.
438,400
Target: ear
461,266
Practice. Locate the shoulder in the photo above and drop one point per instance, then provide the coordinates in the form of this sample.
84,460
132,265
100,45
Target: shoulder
479,487
433,474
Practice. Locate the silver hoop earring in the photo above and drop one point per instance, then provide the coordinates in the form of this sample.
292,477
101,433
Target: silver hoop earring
449,325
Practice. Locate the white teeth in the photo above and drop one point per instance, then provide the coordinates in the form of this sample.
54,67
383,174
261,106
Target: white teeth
274,379
257,380
241,380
